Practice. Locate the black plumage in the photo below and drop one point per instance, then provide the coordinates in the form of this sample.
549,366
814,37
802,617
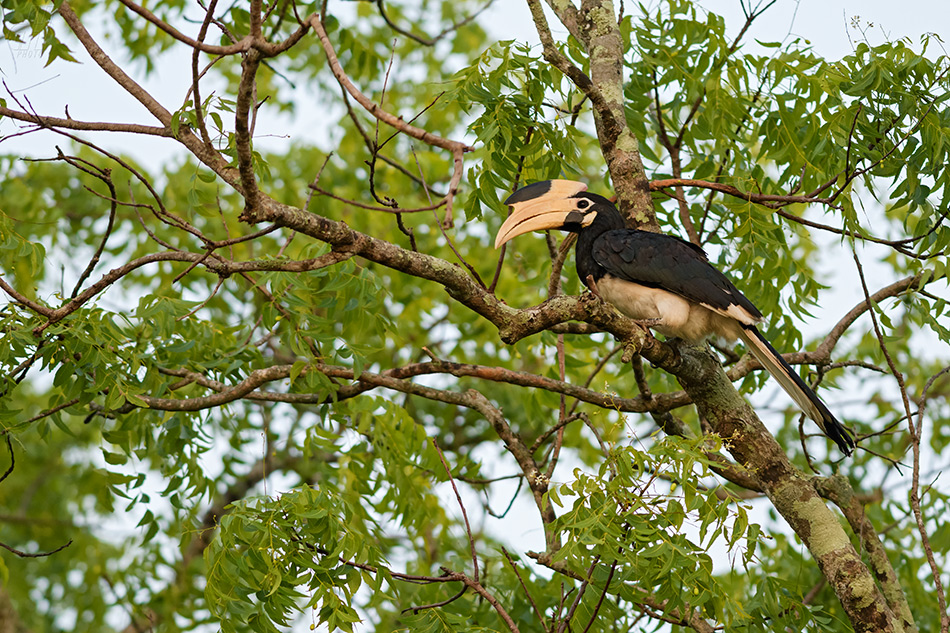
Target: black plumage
663,261
658,279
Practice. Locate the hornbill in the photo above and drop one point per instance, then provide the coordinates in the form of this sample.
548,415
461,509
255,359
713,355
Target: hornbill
659,280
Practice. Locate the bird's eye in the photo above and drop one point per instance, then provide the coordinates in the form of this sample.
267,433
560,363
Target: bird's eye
583,204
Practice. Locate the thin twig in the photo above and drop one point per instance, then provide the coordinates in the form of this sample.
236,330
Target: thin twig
6,436
427,41
534,605
603,594
37,555
915,436
577,600
458,497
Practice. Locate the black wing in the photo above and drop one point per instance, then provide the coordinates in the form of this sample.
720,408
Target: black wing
667,262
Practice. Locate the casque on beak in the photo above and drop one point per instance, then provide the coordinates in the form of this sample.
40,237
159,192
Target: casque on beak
543,205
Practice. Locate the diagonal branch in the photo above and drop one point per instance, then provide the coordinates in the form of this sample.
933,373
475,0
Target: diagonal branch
206,155
429,41
104,62
455,147
838,489
570,17
560,61
212,262
373,108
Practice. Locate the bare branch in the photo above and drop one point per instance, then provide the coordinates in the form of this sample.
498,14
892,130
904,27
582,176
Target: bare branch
458,498
253,41
37,555
524,587
389,119
427,41
915,439
823,352
240,47
103,60
87,126
196,76
214,263
456,148
673,149
838,489
395,210
203,153
242,132
6,437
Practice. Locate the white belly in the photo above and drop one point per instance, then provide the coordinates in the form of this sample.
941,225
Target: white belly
676,316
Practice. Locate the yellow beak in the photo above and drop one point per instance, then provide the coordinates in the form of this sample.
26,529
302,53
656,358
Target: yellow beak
548,209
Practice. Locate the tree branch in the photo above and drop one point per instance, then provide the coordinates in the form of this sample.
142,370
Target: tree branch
86,126
838,490
205,154
427,41
212,262
793,496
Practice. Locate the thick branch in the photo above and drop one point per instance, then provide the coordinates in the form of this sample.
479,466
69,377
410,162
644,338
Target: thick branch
620,147
569,16
254,380
104,62
242,131
595,25
660,402
554,56
839,491
700,374
793,496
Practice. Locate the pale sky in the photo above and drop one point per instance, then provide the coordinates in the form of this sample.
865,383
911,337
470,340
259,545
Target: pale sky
90,95
823,22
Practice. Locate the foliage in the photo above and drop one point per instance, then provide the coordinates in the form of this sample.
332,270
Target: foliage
314,419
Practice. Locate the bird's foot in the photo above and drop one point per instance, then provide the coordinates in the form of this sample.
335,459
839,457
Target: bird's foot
674,343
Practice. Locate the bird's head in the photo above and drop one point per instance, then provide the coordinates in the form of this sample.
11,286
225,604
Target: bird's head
551,204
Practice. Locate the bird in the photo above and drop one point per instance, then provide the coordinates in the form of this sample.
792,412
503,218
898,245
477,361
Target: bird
659,280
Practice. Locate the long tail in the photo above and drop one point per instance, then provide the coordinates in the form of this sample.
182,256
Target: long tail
794,386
